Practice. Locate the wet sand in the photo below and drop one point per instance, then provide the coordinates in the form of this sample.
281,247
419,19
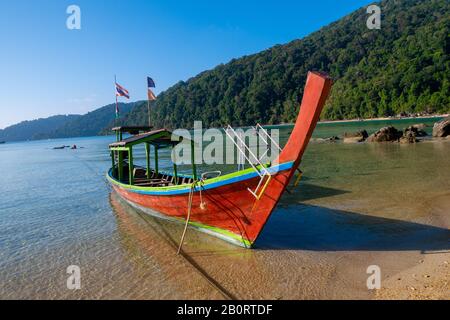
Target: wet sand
429,278
316,268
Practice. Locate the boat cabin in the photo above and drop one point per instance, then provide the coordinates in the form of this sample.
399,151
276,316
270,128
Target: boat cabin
126,172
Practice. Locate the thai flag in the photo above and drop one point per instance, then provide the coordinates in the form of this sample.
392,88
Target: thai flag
121,91
151,84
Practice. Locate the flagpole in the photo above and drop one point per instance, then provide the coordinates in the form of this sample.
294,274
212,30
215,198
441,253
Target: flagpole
148,107
117,105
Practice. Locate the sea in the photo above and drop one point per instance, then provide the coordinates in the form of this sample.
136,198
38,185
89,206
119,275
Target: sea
358,205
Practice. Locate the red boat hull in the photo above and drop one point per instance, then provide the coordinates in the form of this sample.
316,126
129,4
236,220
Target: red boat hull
230,207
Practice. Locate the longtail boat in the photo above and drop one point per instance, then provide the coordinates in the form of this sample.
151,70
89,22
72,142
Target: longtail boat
233,207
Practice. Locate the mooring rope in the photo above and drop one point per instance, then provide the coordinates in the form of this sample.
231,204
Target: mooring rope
191,196
202,206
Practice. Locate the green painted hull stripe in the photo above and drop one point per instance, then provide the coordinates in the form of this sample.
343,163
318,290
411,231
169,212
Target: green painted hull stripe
208,184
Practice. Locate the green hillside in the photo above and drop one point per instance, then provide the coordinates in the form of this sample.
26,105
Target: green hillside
404,67
35,129
92,123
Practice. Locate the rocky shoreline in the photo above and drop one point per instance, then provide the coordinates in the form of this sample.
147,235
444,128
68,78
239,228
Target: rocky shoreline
411,134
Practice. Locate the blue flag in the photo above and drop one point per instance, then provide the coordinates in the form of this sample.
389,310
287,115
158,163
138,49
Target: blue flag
151,83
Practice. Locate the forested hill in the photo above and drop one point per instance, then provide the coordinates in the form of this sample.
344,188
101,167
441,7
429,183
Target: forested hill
90,124
404,67
35,129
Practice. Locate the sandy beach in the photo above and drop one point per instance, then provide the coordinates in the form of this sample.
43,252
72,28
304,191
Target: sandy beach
429,278
434,116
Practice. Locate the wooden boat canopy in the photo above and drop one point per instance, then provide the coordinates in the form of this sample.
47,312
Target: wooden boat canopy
132,129
122,159
161,138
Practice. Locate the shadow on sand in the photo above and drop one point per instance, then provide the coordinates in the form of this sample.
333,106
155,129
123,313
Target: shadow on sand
309,192
306,227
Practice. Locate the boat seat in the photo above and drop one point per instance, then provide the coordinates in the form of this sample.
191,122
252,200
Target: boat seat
155,183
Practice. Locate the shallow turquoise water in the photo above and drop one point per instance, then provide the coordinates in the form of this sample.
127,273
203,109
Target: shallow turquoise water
56,210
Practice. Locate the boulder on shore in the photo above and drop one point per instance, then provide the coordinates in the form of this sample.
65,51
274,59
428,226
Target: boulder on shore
442,128
417,129
409,136
385,134
354,137
330,139
419,126
414,131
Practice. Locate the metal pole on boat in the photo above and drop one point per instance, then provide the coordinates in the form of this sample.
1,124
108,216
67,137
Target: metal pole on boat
156,160
194,167
130,165
175,174
120,164
147,154
113,162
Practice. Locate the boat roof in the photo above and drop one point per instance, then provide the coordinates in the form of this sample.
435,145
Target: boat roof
132,129
160,138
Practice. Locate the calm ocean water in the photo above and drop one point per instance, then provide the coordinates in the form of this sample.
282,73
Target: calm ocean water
56,210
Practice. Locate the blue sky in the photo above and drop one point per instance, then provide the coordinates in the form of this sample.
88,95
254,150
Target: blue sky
46,69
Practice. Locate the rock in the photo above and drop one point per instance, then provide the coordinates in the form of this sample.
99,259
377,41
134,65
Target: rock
419,126
385,134
353,140
409,136
362,133
332,139
402,115
354,137
417,129
442,128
